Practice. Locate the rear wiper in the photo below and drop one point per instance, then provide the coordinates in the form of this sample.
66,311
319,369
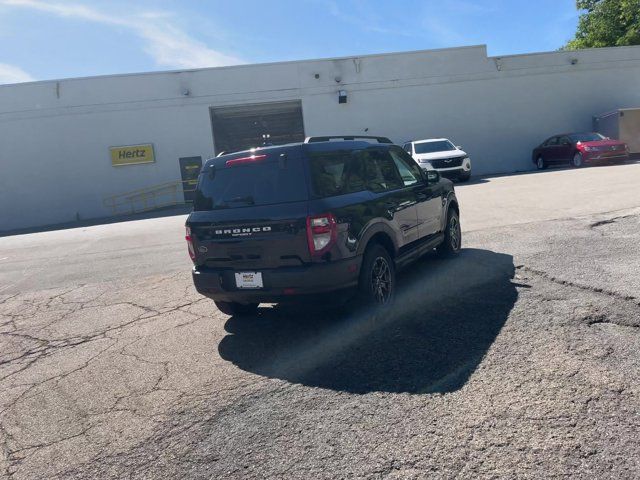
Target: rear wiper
247,199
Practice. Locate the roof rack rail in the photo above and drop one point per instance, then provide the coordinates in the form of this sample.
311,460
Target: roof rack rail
346,137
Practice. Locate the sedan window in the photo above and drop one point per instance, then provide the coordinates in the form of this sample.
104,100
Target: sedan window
587,137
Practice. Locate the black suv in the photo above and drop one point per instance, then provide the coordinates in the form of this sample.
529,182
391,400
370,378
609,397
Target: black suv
330,215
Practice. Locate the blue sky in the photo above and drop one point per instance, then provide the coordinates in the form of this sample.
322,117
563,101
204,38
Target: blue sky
49,39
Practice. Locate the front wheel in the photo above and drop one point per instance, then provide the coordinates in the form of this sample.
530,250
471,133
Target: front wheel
577,160
541,164
377,284
235,308
452,235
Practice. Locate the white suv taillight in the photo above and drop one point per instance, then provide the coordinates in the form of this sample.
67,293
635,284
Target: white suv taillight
322,231
192,252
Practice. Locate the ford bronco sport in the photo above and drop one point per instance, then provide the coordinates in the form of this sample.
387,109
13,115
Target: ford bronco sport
329,215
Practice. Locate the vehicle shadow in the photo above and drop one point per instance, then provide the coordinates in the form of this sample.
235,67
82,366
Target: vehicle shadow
447,315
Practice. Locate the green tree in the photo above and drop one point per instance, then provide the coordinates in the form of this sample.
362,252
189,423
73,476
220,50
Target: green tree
607,23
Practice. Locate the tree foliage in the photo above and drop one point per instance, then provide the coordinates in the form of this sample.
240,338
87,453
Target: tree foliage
607,23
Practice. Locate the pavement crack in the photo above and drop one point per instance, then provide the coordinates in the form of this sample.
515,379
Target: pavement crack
608,221
570,283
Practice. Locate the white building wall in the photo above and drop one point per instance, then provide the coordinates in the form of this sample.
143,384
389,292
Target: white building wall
55,136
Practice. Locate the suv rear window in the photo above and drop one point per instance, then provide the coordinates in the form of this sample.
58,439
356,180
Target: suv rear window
265,182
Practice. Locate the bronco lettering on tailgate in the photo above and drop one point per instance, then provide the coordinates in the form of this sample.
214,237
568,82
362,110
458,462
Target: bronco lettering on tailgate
241,231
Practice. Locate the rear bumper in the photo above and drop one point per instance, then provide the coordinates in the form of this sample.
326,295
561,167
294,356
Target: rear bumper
280,284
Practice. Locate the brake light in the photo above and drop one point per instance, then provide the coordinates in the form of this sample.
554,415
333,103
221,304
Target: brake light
242,160
322,232
192,252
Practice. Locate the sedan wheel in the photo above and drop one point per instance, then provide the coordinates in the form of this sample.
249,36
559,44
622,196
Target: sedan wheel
577,160
540,163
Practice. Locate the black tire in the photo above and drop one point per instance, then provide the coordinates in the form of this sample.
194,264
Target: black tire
464,177
377,284
234,308
577,161
452,235
541,164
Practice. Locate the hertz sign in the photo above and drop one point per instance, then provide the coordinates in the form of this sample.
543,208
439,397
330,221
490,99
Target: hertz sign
132,154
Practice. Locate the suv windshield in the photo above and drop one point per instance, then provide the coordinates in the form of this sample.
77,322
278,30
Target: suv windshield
432,147
586,137
260,183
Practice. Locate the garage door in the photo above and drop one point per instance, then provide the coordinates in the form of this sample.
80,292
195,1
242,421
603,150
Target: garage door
240,127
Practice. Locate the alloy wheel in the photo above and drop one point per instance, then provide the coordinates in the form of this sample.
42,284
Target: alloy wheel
454,233
381,285
577,160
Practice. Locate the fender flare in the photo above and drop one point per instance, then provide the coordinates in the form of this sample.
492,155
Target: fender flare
373,229
449,201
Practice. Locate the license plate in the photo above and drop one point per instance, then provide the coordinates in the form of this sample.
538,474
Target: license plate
249,280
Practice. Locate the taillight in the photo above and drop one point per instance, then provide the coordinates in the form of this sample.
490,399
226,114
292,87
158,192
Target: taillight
242,160
192,252
322,231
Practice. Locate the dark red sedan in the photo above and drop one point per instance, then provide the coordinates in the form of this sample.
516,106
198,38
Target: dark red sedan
578,149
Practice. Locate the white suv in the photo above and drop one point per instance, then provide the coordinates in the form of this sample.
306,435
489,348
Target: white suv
441,155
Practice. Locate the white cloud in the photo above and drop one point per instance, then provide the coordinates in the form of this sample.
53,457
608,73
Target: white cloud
164,41
13,74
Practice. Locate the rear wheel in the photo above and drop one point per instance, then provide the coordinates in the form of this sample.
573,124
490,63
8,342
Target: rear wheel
377,285
235,308
541,164
577,160
452,235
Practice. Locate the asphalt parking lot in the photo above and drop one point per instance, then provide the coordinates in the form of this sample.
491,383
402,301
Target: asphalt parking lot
517,359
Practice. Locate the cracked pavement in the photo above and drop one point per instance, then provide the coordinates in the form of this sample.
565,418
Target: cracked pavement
517,359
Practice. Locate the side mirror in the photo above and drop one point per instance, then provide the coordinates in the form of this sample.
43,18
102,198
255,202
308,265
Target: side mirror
433,176
459,147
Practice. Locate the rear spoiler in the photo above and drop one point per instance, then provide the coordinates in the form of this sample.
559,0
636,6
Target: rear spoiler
346,137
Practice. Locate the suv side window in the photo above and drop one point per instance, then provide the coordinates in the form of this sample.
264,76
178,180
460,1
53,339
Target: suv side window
381,171
551,142
337,173
409,171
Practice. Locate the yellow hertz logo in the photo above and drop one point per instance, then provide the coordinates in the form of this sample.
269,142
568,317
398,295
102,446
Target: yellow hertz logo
132,154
